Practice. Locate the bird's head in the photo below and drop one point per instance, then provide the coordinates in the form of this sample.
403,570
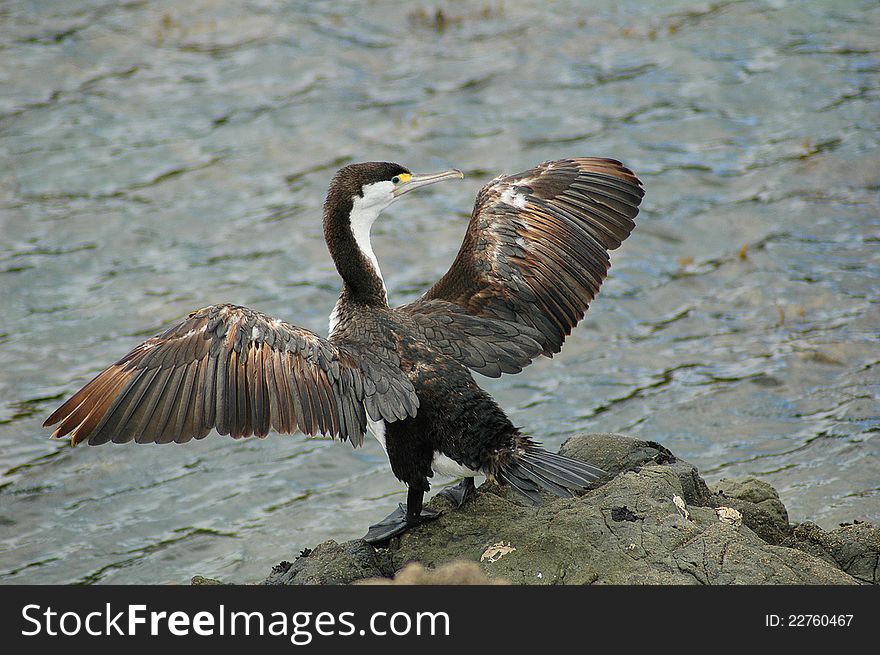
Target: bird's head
361,191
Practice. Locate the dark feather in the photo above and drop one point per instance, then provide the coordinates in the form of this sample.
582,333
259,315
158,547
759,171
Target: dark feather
526,487
535,254
531,466
239,371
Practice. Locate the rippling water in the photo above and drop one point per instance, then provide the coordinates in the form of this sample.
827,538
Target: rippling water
157,158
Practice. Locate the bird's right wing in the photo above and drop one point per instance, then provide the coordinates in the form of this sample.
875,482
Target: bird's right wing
241,372
536,251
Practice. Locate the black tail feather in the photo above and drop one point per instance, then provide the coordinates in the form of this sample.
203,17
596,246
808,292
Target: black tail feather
588,471
559,473
526,487
537,468
547,479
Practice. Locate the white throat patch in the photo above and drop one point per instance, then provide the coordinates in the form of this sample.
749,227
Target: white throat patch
364,212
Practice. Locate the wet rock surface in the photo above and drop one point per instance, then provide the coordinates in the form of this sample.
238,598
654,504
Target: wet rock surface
654,521
854,548
333,563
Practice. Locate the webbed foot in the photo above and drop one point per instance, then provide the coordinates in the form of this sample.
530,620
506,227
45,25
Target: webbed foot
398,522
460,493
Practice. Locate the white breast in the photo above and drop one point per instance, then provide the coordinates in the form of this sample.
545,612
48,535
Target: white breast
447,466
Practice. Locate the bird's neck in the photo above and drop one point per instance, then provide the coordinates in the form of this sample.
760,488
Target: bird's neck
347,232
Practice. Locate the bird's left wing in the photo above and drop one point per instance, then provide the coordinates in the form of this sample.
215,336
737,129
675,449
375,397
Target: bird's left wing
533,257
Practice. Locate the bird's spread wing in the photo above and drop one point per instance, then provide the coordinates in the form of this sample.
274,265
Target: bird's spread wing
536,250
241,372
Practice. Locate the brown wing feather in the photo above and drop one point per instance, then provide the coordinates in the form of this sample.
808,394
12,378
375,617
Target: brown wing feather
536,249
235,370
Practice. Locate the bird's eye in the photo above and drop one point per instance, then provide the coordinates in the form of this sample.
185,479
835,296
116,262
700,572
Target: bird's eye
395,179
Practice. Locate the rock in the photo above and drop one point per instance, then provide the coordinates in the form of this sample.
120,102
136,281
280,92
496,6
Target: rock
608,451
333,563
854,547
654,521
759,505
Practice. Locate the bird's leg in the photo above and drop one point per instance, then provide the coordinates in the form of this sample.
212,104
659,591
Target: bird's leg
415,513
402,519
460,493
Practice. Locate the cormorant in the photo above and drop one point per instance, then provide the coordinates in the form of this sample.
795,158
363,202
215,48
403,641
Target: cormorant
533,257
